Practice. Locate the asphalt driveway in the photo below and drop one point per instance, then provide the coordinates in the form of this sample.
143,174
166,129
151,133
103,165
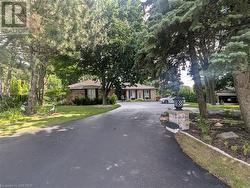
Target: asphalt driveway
125,148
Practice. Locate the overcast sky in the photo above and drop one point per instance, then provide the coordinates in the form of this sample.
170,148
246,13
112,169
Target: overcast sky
186,79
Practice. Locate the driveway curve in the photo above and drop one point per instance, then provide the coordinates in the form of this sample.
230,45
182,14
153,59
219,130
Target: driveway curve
125,148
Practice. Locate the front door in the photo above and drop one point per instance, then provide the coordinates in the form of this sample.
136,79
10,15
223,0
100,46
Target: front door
140,94
147,94
132,94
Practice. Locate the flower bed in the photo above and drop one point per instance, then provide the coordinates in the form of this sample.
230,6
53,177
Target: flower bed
208,131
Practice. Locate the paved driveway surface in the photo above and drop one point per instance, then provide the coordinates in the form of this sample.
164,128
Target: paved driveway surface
125,148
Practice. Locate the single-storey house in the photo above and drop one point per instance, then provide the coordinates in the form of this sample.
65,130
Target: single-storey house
92,90
86,89
227,96
139,91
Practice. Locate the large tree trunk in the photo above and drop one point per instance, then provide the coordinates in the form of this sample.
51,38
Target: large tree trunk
1,83
210,90
32,98
105,91
208,77
104,98
1,89
7,82
195,71
42,74
242,86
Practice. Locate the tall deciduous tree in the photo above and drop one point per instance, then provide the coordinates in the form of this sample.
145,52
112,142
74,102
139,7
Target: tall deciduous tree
1,82
57,28
110,57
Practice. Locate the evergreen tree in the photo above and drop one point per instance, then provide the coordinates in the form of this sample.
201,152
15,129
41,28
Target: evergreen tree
235,58
193,30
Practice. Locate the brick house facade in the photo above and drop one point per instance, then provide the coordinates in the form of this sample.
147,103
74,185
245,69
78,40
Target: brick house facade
92,90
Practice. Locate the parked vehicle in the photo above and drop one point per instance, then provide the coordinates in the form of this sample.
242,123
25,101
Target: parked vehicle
167,100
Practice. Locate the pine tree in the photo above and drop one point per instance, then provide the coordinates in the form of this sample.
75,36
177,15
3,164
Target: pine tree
235,58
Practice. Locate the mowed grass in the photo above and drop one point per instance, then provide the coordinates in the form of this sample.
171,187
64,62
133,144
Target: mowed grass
232,172
20,123
215,107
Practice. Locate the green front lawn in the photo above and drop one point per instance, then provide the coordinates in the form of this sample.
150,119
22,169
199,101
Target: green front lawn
215,107
11,123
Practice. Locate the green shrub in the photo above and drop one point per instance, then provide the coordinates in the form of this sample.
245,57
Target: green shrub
139,100
55,91
203,126
113,99
234,148
8,103
15,87
78,101
188,93
86,101
11,114
246,148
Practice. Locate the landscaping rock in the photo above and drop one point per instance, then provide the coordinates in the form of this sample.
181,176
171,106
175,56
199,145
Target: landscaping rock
218,125
231,113
227,135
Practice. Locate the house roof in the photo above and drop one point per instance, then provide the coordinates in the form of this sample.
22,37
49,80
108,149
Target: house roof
89,84
85,85
137,86
226,92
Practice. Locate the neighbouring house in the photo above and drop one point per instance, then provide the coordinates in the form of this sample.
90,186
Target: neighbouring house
227,96
139,91
86,89
92,90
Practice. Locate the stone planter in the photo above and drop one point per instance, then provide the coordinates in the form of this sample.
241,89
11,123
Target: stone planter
181,118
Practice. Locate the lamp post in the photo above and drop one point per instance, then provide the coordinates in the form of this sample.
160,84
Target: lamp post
178,103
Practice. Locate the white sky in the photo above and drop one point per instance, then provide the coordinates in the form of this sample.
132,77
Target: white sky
186,79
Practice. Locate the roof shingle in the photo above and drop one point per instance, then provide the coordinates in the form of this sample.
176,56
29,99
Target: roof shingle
85,85
97,85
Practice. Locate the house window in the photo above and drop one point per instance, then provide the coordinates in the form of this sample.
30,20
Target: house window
91,94
147,94
132,94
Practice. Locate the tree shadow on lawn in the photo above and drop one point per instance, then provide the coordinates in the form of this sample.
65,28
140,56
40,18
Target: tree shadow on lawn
42,120
12,128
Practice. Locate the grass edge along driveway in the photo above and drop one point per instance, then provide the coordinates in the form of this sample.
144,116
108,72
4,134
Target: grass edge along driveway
230,171
25,124
215,107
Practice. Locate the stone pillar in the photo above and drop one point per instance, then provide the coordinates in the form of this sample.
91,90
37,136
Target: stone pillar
180,118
